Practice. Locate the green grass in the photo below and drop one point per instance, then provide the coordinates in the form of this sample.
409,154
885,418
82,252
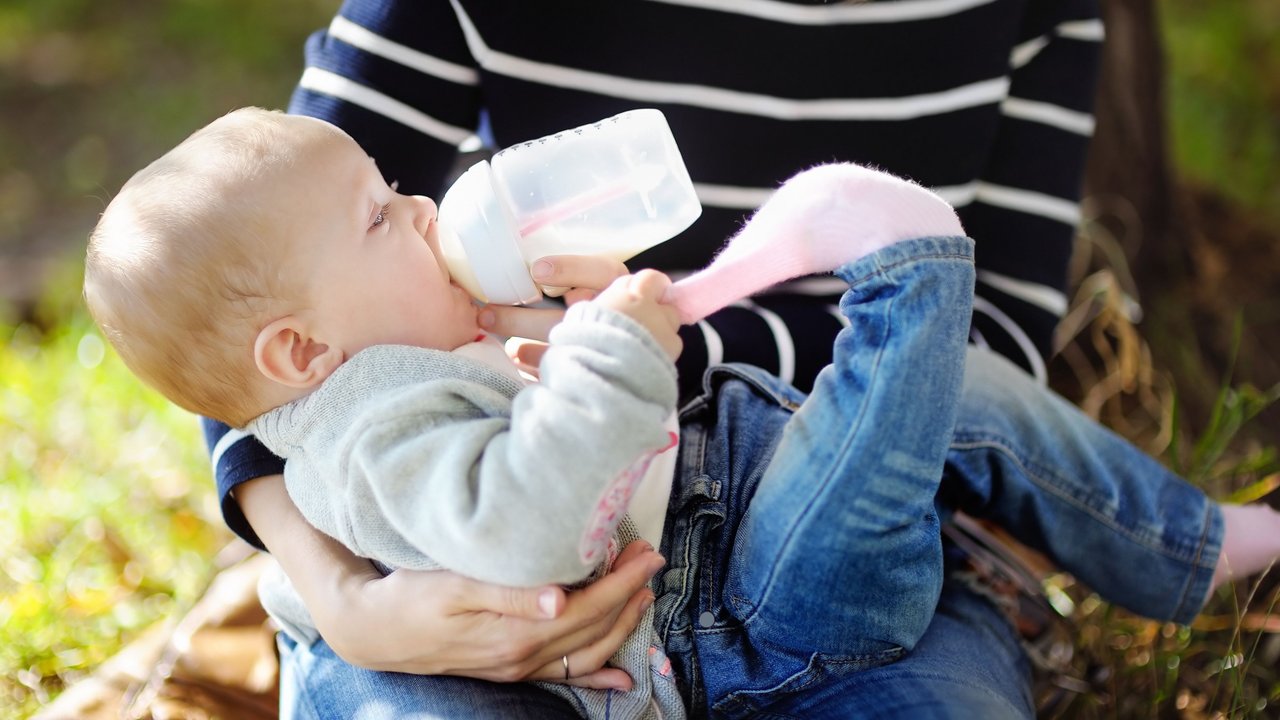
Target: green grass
1224,95
107,516
1227,664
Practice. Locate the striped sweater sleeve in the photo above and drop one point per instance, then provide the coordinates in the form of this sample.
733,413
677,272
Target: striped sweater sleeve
237,457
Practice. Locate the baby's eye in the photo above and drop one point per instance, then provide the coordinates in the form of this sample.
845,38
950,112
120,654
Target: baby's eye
381,217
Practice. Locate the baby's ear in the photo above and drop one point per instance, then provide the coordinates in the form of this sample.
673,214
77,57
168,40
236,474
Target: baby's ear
286,353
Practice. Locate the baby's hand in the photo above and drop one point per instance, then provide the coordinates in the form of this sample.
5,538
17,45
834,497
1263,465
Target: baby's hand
639,297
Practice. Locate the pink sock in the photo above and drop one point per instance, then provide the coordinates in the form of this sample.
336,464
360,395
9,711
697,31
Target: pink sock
817,221
1250,542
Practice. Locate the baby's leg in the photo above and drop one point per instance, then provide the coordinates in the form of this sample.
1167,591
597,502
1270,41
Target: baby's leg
817,221
1100,507
1250,541
839,552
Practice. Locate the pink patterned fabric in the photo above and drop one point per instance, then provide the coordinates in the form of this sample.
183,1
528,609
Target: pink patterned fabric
595,544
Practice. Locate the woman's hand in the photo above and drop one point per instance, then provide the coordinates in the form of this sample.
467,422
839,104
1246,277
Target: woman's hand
439,623
450,625
585,275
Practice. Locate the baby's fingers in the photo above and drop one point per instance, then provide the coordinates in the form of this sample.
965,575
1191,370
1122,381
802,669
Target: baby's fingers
649,284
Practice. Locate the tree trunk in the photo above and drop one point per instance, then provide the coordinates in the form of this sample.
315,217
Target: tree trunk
1128,177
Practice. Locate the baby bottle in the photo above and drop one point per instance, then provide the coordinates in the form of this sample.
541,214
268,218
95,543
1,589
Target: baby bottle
612,188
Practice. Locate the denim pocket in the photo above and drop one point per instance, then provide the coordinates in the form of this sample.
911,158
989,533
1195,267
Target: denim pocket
695,513
821,670
763,383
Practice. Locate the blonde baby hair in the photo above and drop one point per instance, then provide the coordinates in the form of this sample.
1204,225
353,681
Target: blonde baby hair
185,263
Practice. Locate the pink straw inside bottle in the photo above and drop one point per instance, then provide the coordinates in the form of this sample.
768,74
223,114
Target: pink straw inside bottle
640,182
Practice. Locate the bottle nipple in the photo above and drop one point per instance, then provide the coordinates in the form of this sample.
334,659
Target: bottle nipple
455,261
480,241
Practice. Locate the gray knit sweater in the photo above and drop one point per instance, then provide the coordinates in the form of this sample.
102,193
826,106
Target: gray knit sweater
424,459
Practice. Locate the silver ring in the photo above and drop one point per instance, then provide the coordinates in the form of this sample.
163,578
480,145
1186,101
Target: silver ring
564,660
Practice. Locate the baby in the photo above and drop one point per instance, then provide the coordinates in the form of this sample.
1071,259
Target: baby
263,273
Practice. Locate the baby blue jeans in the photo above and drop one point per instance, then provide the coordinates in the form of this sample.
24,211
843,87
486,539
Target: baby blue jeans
805,575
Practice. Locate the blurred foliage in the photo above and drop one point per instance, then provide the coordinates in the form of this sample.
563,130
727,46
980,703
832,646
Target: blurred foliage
1222,666
107,516
1227,664
107,520
1223,68
93,90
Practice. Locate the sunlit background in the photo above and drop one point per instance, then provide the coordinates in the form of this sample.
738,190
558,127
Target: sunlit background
107,517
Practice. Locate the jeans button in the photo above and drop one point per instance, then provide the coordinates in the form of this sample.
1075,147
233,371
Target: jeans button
706,619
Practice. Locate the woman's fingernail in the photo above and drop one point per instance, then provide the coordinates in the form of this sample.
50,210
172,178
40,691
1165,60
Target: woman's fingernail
657,564
541,270
486,318
547,603
644,604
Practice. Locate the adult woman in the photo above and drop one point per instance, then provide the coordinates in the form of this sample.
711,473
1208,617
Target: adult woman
987,101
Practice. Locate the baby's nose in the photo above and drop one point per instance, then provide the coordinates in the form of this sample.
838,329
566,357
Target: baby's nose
424,212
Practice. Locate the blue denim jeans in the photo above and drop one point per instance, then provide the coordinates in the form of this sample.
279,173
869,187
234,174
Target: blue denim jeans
968,666
802,537
803,545
1119,521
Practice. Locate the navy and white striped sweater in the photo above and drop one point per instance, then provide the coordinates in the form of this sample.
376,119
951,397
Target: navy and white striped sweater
988,102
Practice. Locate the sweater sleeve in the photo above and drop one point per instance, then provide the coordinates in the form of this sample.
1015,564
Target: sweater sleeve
511,499
237,457
397,77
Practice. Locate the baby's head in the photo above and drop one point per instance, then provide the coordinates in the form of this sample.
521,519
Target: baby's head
240,269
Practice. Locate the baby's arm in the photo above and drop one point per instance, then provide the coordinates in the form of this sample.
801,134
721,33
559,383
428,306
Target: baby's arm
447,624
507,493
